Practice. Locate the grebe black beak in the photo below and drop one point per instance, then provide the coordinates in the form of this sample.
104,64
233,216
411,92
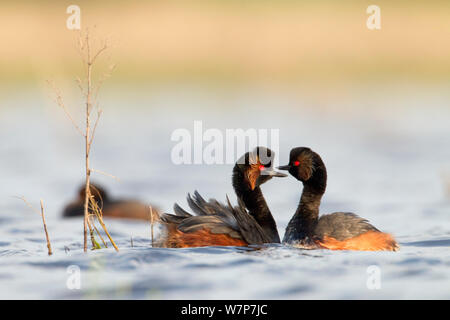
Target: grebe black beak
273,173
286,167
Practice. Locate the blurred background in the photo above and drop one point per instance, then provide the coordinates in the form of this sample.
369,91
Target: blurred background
311,69
234,42
375,104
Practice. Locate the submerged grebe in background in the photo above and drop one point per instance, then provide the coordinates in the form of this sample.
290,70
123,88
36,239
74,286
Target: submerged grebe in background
115,208
336,231
216,224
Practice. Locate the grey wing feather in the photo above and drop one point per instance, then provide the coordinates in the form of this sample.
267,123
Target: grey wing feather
177,218
342,226
195,206
179,211
217,218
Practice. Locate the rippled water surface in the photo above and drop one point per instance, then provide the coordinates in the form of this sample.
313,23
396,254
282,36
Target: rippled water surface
388,160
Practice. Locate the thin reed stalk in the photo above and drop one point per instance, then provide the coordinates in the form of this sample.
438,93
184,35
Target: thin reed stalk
151,223
49,245
100,236
95,244
98,213
89,54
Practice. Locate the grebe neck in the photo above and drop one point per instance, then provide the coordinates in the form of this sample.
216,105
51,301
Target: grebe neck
256,205
302,224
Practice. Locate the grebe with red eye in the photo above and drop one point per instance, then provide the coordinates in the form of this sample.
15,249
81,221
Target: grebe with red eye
335,231
216,224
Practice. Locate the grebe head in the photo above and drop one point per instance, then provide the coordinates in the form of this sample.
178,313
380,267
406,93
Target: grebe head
256,167
306,165
97,192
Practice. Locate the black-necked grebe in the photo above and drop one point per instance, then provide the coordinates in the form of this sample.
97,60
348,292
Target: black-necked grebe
115,208
216,224
336,231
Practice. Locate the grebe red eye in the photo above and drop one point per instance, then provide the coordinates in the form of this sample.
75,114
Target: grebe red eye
296,163
261,167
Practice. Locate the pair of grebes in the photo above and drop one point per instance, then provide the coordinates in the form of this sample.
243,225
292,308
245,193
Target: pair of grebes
250,222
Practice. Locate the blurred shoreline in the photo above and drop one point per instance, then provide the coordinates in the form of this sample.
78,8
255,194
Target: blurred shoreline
232,42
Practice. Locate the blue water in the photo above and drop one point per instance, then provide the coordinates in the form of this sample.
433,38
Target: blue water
387,159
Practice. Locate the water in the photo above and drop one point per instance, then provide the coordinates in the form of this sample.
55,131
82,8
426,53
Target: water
388,160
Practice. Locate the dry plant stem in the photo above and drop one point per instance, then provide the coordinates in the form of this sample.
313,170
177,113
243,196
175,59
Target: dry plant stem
91,233
99,216
100,220
98,213
101,238
105,174
99,113
151,222
92,228
87,140
49,246
59,101
90,92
